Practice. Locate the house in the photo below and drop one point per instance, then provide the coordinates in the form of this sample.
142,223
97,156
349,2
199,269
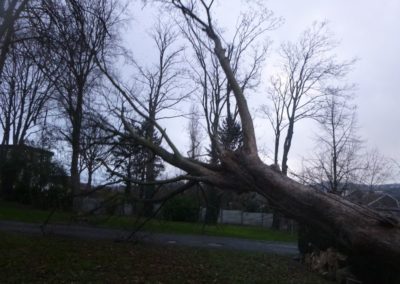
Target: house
376,199
28,153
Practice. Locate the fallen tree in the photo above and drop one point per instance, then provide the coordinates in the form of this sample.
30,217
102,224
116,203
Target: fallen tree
358,230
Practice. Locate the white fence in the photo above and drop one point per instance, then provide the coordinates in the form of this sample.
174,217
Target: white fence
238,217
98,206
234,217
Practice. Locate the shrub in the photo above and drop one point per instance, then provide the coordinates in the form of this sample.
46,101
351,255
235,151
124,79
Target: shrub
29,176
181,208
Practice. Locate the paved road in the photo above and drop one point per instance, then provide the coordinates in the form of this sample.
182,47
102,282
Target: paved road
87,232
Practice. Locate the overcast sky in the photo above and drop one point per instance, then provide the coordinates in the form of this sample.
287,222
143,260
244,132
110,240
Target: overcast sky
370,31
367,29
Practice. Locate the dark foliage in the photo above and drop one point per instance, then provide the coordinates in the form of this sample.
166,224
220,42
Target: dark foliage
28,175
181,208
129,159
230,134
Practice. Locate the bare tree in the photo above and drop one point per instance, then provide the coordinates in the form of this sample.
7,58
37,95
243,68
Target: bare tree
337,159
276,113
376,169
71,34
339,162
359,230
157,90
24,96
10,11
161,90
308,66
246,52
95,146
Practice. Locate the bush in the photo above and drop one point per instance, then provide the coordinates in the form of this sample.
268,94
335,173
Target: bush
181,208
29,176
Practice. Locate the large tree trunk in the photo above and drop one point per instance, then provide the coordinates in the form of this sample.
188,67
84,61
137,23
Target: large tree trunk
286,149
75,177
211,193
276,148
76,115
75,144
359,231
213,205
90,177
149,189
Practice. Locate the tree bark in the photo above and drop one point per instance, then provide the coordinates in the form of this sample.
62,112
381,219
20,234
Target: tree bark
90,177
76,145
75,177
276,146
286,148
359,231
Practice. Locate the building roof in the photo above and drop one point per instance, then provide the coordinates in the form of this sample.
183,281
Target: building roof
374,199
22,147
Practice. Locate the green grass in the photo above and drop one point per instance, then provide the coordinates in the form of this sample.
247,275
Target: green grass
35,259
162,226
16,212
19,212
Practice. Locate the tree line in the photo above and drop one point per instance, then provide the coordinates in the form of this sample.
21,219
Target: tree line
61,84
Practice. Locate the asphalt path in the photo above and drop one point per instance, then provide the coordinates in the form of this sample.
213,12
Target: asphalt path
89,232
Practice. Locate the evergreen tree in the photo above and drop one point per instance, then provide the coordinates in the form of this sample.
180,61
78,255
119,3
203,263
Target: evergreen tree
130,159
230,134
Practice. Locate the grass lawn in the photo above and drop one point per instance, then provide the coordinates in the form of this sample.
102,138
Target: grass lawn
28,259
17,212
162,226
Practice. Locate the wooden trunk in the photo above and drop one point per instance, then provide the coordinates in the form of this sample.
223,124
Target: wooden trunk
360,232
